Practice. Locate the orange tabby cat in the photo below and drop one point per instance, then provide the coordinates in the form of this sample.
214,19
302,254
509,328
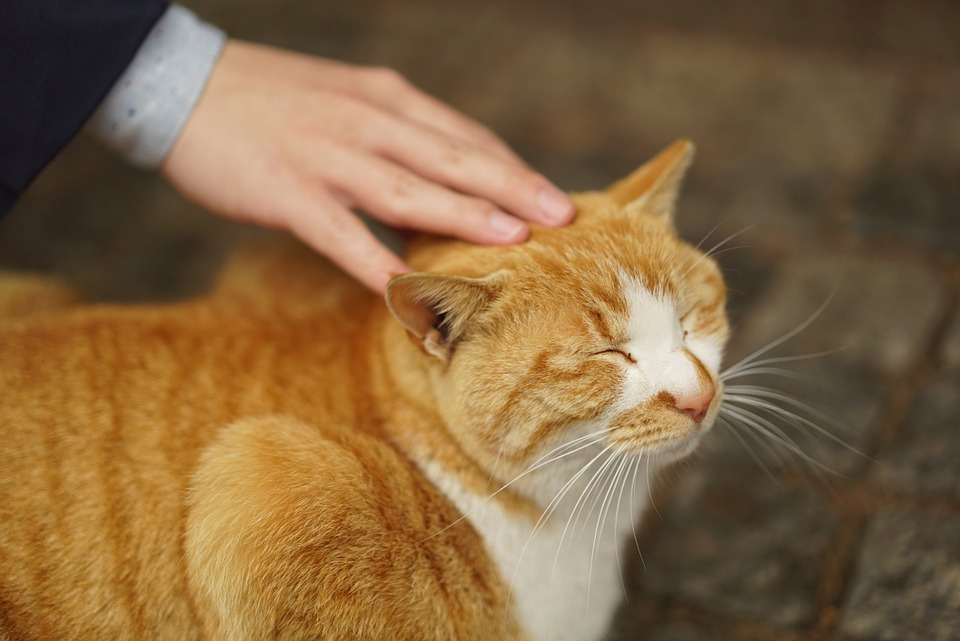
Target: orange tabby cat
288,458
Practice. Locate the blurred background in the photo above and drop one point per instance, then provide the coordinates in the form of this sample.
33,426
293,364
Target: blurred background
828,136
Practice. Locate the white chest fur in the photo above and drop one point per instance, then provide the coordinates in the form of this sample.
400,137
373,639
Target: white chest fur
564,573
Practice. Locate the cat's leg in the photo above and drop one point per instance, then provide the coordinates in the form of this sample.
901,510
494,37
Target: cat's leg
300,533
25,294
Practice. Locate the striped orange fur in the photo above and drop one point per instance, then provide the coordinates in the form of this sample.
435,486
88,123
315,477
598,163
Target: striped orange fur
289,457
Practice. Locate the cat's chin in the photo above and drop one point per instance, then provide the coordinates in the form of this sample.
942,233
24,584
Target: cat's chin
673,450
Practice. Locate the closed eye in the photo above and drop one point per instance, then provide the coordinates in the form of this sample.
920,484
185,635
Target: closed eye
627,356
684,323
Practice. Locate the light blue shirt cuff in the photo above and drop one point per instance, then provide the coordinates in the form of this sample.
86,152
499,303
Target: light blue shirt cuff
143,114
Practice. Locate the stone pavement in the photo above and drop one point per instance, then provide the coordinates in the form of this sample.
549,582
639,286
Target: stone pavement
828,139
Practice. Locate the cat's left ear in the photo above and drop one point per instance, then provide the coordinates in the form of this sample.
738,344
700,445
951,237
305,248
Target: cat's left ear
435,309
654,186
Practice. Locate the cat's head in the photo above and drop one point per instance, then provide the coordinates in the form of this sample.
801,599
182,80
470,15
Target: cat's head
612,325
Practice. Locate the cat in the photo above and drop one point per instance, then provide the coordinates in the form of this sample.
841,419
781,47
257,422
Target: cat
292,457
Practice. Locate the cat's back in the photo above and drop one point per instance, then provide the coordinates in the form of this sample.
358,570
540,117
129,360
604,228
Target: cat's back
83,488
162,376
104,413
272,336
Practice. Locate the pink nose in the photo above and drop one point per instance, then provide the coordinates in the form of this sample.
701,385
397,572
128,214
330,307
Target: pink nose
697,405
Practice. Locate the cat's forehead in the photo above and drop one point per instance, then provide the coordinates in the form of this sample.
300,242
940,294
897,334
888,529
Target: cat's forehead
602,239
602,260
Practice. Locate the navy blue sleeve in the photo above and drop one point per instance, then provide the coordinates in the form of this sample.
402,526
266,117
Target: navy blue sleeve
58,59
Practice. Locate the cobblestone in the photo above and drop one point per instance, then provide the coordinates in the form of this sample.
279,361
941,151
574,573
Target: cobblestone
862,320
912,197
951,350
653,631
923,461
742,554
907,584
919,31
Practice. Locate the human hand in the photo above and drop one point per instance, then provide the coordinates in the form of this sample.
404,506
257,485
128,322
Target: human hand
294,142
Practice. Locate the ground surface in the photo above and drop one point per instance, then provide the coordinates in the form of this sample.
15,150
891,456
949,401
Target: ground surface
829,129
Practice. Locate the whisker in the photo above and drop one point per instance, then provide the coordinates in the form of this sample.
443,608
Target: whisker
650,491
595,491
562,492
798,420
781,425
548,512
766,440
772,431
784,338
584,492
713,249
608,465
633,505
739,392
572,443
558,498
709,233
496,464
752,367
606,503
623,473
764,426
596,438
725,422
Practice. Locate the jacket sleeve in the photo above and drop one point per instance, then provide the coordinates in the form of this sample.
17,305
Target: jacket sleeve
58,59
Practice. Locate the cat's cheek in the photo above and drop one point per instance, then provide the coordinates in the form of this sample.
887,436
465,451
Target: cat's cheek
463,402
571,398
708,349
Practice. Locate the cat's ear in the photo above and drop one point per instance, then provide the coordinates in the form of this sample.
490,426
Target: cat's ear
436,308
654,186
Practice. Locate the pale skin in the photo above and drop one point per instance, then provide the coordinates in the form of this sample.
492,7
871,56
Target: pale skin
296,142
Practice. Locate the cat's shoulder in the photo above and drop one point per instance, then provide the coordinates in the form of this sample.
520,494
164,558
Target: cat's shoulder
287,273
283,503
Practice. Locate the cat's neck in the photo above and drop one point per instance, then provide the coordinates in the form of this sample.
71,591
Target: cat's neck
410,417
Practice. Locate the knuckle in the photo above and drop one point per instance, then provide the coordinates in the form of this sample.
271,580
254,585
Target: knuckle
356,109
484,132
520,181
357,122
513,181
476,211
400,195
453,153
387,79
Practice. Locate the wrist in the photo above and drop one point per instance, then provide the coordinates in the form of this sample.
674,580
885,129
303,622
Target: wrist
145,111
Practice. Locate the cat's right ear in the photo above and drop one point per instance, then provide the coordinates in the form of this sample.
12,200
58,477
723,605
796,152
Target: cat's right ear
654,187
436,308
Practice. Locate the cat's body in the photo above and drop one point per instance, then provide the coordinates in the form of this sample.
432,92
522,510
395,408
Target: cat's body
284,459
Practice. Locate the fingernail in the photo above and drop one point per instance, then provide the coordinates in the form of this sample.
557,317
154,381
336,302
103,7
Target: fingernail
555,205
506,226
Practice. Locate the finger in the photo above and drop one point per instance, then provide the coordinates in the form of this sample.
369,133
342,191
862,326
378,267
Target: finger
340,235
381,87
400,198
430,112
470,170
391,92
